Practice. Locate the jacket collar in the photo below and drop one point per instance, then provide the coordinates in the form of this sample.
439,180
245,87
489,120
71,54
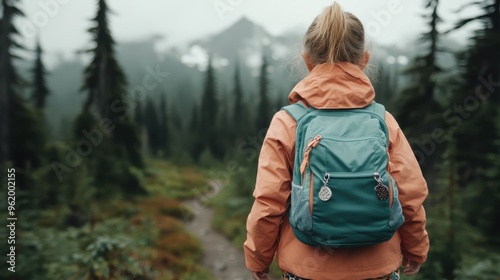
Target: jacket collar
334,86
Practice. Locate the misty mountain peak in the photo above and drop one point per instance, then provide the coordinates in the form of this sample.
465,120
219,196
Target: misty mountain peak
242,34
243,24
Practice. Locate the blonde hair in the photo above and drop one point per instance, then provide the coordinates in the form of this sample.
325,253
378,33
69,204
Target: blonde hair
335,36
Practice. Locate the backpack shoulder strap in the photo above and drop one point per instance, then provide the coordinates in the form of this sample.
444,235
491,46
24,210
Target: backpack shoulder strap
377,108
297,110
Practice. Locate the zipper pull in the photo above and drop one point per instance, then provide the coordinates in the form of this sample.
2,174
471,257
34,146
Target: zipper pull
325,193
312,144
381,190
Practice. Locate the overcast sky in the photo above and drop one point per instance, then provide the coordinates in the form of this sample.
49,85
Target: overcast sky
62,24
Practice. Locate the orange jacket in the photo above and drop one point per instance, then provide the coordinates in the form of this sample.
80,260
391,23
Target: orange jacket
342,85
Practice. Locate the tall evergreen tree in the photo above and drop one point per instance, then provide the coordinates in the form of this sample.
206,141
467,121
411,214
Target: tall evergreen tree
240,113
40,90
224,126
22,143
104,78
152,123
176,117
164,127
196,143
114,160
139,115
264,106
105,83
474,130
194,123
208,117
9,79
481,76
418,112
383,85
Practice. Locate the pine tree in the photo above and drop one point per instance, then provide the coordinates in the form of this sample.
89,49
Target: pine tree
196,143
164,127
105,83
383,86
139,115
264,106
152,124
474,134
223,127
115,160
194,123
40,90
208,116
176,117
104,78
23,143
239,119
488,194
481,78
9,78
418,110
22,139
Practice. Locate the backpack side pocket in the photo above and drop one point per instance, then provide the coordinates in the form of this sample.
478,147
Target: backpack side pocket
300,217
396,218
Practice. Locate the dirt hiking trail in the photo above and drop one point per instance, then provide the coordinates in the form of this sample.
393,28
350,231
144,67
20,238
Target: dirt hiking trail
220,256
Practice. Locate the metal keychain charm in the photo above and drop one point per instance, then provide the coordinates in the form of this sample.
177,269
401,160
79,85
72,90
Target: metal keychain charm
325,193
381,190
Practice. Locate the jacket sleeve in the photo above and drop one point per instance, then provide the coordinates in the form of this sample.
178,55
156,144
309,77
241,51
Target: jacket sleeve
272,190
412,188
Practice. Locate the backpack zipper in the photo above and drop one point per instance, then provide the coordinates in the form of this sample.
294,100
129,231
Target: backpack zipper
312,144
305,163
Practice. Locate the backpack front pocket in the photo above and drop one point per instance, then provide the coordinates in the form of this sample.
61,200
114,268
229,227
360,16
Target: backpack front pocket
348,208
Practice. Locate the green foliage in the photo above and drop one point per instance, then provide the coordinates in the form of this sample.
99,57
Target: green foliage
108,249
82,237
476,267
233,204
175,182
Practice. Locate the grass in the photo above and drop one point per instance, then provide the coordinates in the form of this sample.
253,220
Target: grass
175,248
165,179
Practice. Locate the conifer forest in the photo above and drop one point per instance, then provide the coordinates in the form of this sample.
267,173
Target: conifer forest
109,157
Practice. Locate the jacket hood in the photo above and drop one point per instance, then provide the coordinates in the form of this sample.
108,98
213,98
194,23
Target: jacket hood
334,86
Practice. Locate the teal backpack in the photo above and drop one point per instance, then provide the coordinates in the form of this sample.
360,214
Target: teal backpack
342,194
